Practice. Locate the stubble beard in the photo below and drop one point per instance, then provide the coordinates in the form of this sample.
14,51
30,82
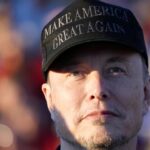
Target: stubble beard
107,141
96,142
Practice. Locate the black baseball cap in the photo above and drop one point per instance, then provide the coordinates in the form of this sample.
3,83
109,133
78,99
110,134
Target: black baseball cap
86,21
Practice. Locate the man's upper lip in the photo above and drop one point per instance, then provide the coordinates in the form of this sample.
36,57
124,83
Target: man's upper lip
107,112
101,113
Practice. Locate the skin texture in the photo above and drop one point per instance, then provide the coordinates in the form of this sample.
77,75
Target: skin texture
97,98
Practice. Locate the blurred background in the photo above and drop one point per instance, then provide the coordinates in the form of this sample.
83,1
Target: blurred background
25,122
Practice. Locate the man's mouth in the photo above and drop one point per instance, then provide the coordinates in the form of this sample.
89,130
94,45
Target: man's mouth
100,114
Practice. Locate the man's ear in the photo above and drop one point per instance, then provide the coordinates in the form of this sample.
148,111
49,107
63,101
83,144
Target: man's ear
147,96
46,89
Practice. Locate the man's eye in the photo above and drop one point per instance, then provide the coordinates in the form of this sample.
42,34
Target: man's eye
116,71
77,73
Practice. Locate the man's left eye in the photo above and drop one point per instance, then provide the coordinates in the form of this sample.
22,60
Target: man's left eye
116,71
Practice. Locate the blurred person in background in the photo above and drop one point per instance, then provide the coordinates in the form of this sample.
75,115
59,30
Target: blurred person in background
14,114
23,120
11,54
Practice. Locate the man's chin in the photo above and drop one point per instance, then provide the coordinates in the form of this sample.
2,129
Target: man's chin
102,141
101,137
97,131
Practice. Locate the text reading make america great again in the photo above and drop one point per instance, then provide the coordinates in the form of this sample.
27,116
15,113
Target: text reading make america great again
78,22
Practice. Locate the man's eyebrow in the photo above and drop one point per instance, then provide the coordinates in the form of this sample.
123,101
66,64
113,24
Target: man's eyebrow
71,63
63,64
117,59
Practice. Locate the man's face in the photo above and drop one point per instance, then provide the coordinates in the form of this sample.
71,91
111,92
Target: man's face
97,97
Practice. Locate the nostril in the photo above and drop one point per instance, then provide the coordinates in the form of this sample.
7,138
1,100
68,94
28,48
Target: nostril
104,96
92,97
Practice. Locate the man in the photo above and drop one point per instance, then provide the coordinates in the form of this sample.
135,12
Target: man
97,83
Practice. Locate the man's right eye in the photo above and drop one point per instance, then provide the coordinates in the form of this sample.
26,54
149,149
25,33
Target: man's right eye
78,74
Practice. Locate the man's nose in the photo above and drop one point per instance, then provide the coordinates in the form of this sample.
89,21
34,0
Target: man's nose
97,86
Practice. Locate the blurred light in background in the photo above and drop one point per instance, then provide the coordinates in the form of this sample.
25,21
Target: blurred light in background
6,136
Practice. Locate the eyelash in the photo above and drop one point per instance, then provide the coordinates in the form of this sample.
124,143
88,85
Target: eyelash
77,73
116,71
